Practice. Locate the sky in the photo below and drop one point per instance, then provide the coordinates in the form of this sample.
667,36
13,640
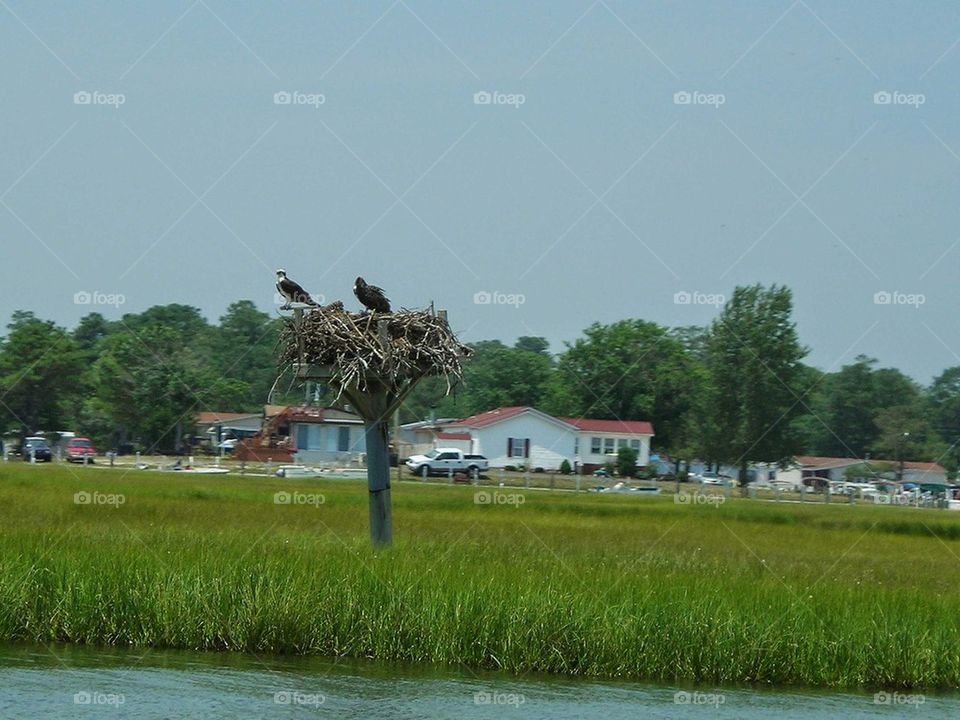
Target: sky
532,167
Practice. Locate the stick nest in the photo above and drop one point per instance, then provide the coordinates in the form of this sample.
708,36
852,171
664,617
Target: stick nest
418,344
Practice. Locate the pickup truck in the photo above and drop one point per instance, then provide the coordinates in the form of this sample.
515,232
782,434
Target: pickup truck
445,460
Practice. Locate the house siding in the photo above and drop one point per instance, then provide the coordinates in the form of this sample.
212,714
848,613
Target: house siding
550,442
321,442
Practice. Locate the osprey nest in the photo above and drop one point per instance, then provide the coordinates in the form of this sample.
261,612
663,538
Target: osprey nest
417,343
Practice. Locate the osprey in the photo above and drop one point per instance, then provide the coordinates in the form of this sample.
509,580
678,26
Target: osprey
291,291
371,296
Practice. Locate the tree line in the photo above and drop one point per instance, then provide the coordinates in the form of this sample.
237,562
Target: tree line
736,391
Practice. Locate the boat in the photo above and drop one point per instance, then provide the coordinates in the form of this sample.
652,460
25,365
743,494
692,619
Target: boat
297,471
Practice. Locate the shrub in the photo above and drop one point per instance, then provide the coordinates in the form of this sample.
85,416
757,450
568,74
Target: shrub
627,461
565,468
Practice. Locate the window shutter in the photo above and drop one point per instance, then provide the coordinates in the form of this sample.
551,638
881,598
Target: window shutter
526,448
509,447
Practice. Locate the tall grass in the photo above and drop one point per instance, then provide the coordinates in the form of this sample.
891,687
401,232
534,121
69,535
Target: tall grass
608,586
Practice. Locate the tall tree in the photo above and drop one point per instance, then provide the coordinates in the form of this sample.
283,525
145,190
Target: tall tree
243,350
630,370
856,395
40,365
753,360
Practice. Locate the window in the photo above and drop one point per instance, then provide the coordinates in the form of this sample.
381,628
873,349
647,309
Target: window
621,443
608,446
595,446
343,439
635,444
517,447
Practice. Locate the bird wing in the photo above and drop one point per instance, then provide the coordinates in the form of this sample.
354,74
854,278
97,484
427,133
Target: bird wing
296,293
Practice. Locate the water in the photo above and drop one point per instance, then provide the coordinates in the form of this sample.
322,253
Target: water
75,682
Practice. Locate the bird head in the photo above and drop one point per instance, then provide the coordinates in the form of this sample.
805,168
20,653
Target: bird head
359,283
281,273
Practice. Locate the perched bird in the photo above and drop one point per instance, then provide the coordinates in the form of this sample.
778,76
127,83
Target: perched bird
291,291
371,296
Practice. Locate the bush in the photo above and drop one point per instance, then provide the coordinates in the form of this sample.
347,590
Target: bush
565,468
627,461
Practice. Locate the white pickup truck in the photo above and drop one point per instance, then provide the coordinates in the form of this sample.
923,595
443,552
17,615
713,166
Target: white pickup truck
443,461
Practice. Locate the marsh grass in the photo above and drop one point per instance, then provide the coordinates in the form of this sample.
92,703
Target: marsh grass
606,586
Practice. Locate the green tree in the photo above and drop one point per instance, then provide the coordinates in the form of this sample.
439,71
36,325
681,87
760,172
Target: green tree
494,376
630,370
243,352
753,361
943,401
39,369
855,397
151,384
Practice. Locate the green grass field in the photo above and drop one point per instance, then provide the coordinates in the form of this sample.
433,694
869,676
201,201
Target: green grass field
605,586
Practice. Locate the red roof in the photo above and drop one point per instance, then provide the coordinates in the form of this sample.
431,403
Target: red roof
211,418
489,417
630,427
451,435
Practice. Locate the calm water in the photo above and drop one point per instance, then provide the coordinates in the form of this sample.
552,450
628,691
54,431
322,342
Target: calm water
68,682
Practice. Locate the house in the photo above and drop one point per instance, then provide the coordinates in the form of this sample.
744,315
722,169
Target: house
834,469
526,436
309,435
214,427
326,436
419,438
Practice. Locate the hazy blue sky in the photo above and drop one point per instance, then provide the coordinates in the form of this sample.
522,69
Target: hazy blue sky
600,197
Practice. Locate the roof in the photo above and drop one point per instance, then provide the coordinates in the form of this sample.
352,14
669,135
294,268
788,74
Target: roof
316,414
212,418
451,436
628,427
490,416
824,463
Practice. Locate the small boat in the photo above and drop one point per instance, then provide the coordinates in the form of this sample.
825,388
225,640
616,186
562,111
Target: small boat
297,471
346,473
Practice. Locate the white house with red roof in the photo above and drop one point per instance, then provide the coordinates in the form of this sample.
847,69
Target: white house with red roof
526,436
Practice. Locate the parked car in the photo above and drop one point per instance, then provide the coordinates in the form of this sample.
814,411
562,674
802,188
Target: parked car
78,449
36,447
601,472
444,460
